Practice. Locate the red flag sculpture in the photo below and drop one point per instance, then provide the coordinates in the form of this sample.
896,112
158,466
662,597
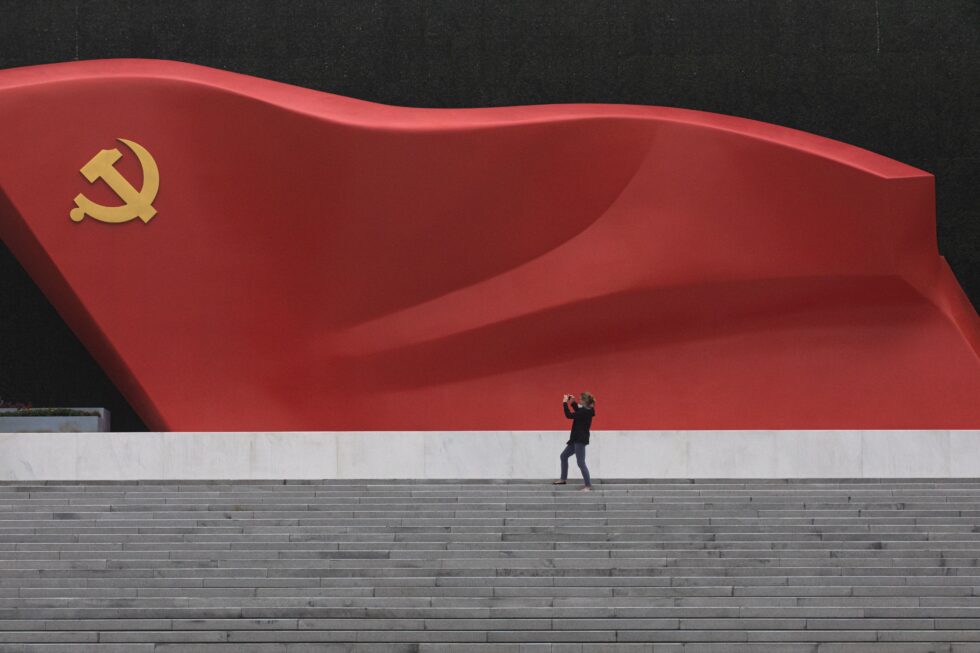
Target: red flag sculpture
240,254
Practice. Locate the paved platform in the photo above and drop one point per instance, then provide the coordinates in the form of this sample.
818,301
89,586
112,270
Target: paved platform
807,566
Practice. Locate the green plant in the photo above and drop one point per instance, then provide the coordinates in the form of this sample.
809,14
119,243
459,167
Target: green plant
48,412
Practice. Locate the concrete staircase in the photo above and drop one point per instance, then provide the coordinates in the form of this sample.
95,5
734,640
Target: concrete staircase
813,566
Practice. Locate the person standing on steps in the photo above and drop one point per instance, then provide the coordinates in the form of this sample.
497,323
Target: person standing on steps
581,416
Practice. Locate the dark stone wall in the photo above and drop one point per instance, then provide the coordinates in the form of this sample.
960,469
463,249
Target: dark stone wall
899,77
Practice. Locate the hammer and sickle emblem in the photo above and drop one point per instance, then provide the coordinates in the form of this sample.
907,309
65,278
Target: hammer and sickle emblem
137,203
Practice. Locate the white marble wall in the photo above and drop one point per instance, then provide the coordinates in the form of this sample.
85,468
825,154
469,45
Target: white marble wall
488,454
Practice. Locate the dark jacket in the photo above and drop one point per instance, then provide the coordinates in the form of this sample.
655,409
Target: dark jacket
581,422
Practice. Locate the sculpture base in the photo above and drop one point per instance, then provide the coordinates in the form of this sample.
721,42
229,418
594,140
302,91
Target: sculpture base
488,455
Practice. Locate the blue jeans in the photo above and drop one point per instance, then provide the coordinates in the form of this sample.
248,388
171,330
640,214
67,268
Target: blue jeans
579,450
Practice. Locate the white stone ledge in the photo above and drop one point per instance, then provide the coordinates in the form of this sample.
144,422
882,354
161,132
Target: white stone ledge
488,454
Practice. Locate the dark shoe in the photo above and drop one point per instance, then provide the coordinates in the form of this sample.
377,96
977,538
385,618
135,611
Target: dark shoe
559,482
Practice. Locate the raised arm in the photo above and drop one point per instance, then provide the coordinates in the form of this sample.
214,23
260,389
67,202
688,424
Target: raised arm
569,414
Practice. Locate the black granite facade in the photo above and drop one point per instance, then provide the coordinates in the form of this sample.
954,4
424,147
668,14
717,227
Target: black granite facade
899,77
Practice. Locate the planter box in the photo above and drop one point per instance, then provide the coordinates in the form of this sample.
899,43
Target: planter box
56,424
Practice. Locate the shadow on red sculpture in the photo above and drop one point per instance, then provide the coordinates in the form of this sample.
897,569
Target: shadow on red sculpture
317,262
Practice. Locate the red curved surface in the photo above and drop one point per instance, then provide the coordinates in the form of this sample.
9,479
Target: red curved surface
320,262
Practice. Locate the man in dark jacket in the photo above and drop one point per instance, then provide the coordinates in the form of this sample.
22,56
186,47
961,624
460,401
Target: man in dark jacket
581,416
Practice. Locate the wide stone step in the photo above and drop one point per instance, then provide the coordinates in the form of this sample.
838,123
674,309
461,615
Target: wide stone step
503,567
426,647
